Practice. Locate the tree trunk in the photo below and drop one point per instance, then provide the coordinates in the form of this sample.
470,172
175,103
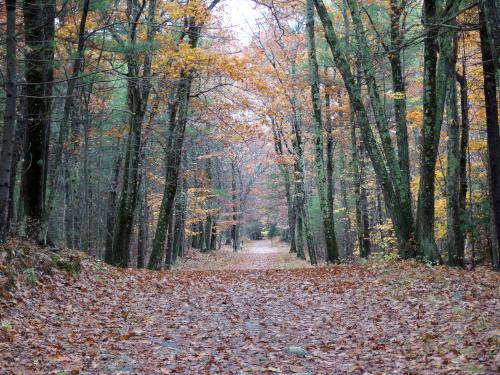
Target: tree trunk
299,225
490,10
142,235
348,243
455,241
436,74
290,210
329,148
170,242
491,104
399,95
64,126
180,220
387,174
284,169
9,125
464,139
326,208
210,207
357,185
300,192
234,227
137,98
178,120
112,200
39,16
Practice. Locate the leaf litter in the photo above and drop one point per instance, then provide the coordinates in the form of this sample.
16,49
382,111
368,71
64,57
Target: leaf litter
380,318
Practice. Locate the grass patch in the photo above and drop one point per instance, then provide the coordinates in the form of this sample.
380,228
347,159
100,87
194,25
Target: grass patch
70,264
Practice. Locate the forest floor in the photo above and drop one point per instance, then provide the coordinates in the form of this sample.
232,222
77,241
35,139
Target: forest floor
259,311
255,255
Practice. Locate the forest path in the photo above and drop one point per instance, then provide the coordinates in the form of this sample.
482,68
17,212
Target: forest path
255,255
389,318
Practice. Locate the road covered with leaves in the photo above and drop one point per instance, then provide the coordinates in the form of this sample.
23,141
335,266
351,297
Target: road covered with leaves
379,317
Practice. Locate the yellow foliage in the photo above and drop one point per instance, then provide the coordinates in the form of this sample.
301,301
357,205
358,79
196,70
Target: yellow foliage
415,119
397,95
477,145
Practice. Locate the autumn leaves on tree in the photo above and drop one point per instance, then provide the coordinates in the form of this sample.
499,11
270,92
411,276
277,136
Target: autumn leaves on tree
136,129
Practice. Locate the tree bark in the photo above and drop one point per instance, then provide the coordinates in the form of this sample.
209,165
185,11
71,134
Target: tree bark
300,192
464,139
180,220
285,173
137,98
399,210
329,148
455,241
178,121
142,234
234,197
39,16
399,92
9,125
55,172
492,130
326,208
490,10
436,75
112,200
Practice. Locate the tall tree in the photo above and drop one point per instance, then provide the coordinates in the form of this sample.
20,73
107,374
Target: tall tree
326,208
397,7
455,239
9,131
138,89
383,158
492,130
39,24
285,172
464,140
490,14
177,126
55,172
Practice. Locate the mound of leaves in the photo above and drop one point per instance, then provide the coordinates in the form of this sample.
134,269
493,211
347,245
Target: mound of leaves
24,264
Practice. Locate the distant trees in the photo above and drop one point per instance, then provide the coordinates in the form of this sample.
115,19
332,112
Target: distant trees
272,232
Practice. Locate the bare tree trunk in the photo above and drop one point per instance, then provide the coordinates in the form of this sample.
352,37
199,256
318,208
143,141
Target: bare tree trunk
490,10
137,98
142,235
64,125
363,198
284,169
399,92
455,239
112,200
357,185
464,142
234,227
180,221
332,252
491,104
39,16
383,158
436,72
9,126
